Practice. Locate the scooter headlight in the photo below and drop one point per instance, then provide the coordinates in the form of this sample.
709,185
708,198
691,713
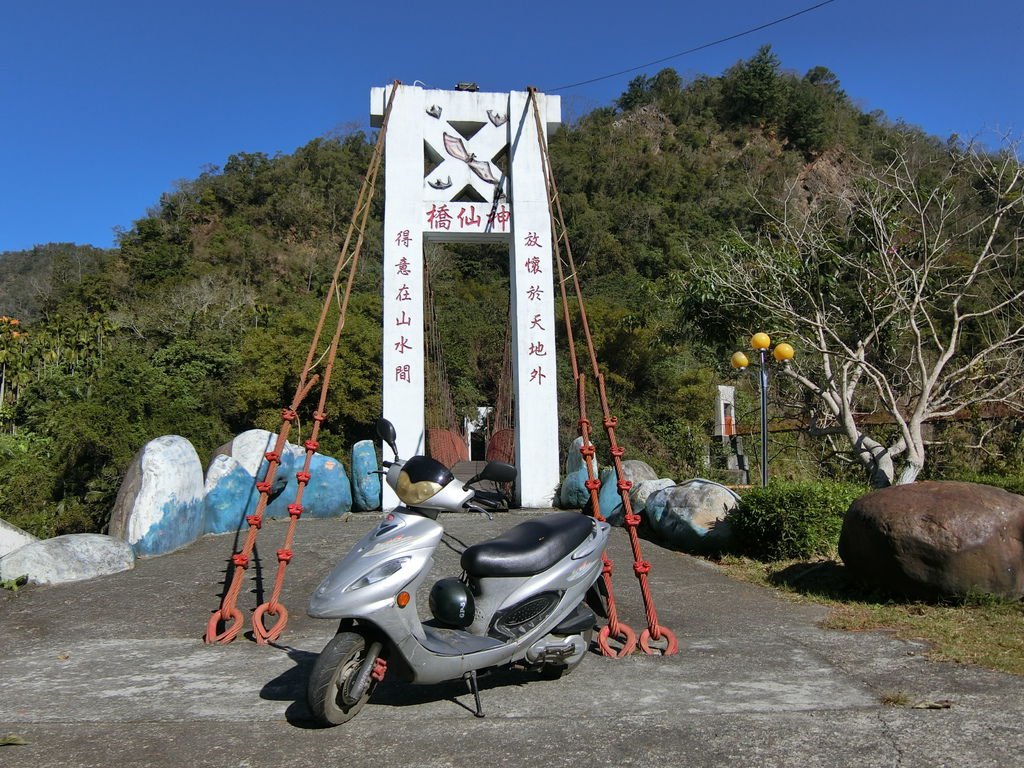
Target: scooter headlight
379,573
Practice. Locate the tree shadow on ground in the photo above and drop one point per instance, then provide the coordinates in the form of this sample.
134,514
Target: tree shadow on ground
826,579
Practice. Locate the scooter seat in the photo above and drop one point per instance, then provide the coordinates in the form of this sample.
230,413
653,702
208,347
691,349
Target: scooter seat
529,547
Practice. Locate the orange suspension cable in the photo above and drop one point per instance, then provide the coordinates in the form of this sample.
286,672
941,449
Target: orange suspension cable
226,622
655,638
614,630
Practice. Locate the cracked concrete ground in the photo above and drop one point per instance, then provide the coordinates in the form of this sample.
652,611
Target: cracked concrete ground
114,670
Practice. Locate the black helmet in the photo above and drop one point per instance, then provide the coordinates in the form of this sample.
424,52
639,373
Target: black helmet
451,602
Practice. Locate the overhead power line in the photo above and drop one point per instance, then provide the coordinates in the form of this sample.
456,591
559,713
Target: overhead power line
694,50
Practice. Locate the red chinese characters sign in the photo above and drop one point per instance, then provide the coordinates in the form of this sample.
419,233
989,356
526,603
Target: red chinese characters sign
533,293
467,218
408,304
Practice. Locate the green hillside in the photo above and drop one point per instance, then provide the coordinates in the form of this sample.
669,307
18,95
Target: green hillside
198,323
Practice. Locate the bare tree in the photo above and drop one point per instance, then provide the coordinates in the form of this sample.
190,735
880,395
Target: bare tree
901,286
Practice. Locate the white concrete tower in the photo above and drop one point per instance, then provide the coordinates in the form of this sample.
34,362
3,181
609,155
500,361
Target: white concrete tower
443,183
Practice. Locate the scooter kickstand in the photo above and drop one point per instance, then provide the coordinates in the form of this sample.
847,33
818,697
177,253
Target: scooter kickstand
474,686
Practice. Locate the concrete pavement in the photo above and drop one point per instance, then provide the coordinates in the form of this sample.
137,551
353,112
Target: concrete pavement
114,671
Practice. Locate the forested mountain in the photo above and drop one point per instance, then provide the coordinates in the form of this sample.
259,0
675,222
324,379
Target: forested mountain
29,279
198,323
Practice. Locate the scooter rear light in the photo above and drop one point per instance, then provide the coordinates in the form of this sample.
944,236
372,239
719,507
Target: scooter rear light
379,573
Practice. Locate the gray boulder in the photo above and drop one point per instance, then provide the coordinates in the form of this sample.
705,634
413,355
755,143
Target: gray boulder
12,538
692,515
937,540
74,557
644,489
637,471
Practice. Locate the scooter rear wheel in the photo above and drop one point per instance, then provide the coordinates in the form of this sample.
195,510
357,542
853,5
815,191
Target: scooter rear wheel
329,691
555,671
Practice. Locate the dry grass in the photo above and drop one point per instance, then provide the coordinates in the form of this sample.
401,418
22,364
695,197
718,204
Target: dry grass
983,630
895,699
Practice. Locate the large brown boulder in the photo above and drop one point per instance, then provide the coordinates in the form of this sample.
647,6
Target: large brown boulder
937,540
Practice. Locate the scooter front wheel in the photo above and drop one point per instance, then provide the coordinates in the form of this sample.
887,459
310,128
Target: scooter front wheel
329,693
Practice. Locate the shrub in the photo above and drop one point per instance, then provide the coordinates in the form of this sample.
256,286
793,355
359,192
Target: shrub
1011,483
792,519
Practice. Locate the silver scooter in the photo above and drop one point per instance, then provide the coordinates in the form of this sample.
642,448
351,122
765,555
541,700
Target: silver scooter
519,601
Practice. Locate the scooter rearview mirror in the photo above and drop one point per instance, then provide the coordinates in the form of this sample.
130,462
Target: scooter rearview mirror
498,472
386,432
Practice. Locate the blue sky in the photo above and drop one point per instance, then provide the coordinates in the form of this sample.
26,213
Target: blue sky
104,104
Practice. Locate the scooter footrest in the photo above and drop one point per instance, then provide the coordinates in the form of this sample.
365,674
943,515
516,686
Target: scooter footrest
455,642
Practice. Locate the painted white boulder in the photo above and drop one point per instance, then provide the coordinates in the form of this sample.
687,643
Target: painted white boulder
159,507
230,491
12,538
249,449
74,557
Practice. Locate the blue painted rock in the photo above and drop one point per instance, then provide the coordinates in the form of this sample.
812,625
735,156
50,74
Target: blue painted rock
365,483
285,482
231,482
12,538
609,498
328,492
692,515
573,493
159,506
230,495
635,471
75,557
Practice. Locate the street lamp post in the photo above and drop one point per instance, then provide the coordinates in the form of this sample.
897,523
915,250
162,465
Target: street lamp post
783,353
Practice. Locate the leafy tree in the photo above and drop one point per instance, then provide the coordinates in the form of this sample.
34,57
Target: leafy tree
901,286
32,281
151,253
754,91
637,94
807,123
